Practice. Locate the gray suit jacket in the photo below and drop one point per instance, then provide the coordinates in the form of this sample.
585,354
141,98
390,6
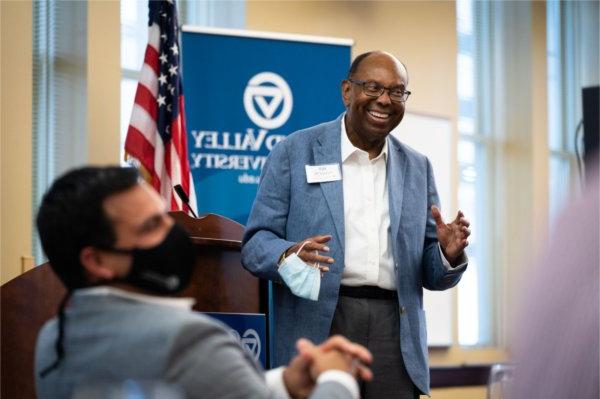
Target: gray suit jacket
109,338
287,209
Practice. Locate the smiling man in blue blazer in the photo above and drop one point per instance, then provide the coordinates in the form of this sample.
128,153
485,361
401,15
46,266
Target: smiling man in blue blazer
346,197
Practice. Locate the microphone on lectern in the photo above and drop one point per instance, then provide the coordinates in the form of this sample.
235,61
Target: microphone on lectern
184,198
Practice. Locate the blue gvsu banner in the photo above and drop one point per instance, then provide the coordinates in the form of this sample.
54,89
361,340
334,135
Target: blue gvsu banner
249,330
244,93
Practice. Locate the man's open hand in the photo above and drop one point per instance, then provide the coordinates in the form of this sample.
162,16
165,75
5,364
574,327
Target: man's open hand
452,236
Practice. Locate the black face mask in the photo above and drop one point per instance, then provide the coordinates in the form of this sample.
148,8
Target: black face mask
164,269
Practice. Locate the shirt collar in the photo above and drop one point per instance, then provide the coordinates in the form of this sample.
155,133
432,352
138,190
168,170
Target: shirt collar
181,303
348,148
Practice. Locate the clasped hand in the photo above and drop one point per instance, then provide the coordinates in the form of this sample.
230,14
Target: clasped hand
337,353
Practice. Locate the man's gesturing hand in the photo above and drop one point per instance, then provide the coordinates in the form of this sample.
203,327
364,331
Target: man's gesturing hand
311,248
452,236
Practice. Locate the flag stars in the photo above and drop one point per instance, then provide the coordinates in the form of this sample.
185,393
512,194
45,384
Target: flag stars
167,107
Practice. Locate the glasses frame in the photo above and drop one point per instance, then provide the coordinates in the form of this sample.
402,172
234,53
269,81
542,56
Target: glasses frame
382,89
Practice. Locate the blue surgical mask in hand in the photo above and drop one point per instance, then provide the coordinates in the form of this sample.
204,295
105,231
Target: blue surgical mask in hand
302,279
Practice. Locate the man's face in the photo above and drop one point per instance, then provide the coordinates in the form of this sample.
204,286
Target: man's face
139,220
373,118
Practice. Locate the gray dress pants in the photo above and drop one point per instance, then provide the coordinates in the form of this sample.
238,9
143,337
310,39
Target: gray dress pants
375,324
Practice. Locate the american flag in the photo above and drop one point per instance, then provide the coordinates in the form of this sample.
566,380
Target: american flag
156,137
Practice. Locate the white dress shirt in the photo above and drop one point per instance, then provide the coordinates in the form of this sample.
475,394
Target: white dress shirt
367,250
273,378
368,258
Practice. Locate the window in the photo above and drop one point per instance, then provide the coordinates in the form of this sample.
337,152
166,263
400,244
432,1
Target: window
134,38
496,94
572,51
474,320
59,95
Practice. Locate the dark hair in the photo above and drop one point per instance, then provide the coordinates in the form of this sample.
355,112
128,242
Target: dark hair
360,58
356,63
72,217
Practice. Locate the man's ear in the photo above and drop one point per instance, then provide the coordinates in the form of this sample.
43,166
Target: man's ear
94,262
346,87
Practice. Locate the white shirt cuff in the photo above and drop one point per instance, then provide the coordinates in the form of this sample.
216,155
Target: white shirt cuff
274,379
464,260
343,378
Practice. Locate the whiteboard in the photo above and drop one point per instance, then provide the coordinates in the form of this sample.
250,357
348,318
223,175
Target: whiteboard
432,136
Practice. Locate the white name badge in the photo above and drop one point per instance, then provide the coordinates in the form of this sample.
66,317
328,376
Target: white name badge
323,173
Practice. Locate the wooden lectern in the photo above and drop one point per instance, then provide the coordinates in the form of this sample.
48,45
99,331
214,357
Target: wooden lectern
219,284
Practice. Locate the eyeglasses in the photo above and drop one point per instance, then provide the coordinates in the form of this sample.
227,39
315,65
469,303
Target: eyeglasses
374,89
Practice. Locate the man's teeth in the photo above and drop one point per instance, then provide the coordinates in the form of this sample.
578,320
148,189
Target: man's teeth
379,115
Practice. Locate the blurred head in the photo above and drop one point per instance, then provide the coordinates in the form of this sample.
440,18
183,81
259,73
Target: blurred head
103,225
89,211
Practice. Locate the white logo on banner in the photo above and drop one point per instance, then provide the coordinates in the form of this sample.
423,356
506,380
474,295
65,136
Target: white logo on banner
250,342
268,90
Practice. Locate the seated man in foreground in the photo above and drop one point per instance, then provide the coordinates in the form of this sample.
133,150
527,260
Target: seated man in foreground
110,241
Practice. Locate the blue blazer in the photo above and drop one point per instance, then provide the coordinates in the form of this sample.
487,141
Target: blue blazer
287,209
